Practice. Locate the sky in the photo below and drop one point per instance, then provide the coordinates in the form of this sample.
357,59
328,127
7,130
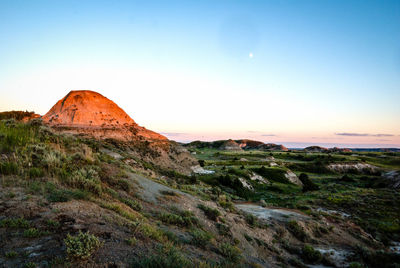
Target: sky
295,72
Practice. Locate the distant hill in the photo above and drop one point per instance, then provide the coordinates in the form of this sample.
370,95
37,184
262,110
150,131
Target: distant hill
244,144
316,149
18,115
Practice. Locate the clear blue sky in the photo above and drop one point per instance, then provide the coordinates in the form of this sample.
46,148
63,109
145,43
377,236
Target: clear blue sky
280,71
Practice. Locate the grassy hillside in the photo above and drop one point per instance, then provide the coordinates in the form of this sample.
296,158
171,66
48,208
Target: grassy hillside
73,201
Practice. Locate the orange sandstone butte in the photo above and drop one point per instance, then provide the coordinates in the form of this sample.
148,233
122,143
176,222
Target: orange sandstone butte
85,109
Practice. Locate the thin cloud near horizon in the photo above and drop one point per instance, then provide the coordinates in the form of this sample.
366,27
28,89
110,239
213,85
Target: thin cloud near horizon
173,133
363,134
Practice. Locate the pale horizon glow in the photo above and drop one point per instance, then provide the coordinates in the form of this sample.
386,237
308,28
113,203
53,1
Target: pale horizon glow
275,72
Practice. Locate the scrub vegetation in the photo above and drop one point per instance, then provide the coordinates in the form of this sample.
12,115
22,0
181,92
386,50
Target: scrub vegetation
71,202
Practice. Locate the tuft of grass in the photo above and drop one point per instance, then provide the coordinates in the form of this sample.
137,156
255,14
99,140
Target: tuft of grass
230,252
183,218
310,255
169,192
120,210
35,172
200,238
150,231
226,203
9,168
133,204
81,246
248,238
16,135
131,241
33,233
211,213
171,236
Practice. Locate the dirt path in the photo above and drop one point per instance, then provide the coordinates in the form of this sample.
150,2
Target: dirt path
271,213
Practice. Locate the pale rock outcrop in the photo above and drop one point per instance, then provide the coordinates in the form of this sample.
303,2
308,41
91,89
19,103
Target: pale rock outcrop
293,178
258,178
246,184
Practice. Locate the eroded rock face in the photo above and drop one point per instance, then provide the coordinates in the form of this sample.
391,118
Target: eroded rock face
87,108
355,167
91,113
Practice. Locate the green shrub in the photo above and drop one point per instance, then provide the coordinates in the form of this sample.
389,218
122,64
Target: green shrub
297,230
251,220
52,223
123,185
85,179
57,194
167,256
232,253
81,246
52,160
211,213
170,218
223,229
11,254
32,233
310,255
355,265
226,203
29,265
200,238
14,223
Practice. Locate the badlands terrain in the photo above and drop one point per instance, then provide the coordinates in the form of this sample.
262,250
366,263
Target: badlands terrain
85,186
